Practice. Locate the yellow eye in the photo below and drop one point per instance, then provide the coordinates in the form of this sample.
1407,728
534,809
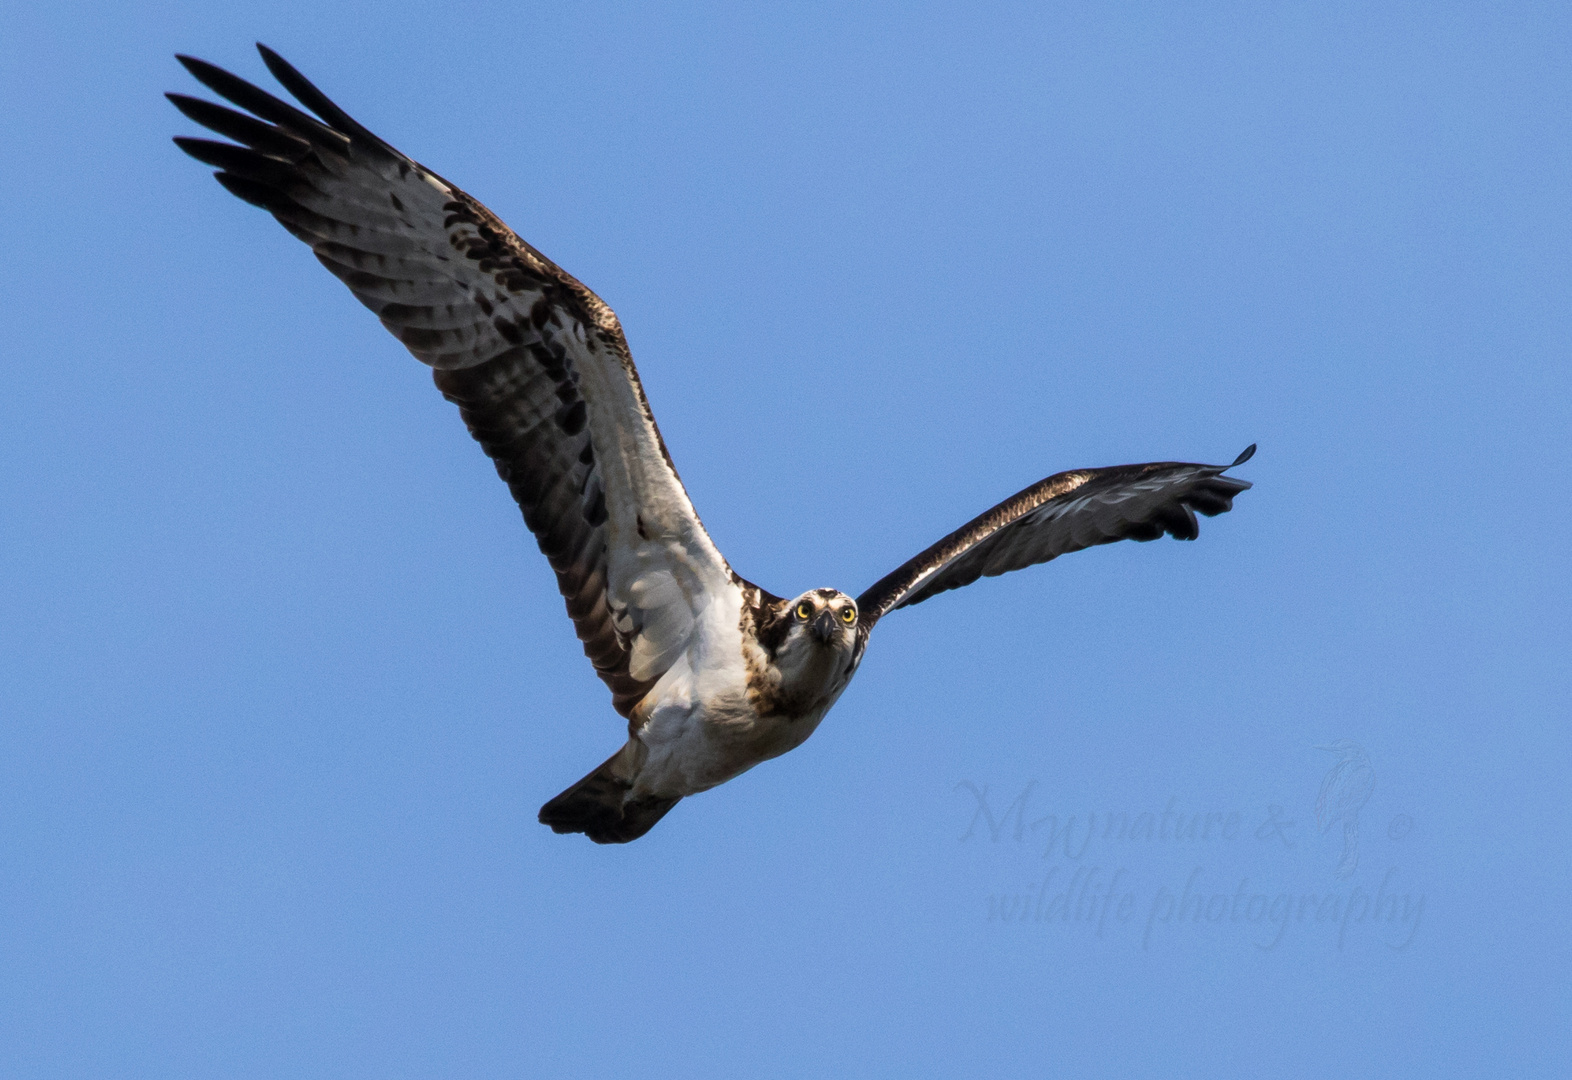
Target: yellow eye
804,610
849,614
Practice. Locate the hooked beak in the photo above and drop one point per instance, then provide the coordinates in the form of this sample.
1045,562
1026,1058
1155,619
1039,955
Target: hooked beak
823,628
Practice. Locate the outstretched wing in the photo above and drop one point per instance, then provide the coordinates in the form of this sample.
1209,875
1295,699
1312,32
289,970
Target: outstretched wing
1066,512
536,363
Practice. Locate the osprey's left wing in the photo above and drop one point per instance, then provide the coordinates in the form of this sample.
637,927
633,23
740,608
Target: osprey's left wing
535,361
1066,512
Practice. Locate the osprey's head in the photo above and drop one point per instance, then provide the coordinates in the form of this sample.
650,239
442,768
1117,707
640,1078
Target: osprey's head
811,643
825,617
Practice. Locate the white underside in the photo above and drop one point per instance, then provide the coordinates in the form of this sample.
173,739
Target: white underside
696,728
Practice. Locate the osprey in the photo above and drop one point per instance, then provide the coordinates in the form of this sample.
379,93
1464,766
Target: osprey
713,673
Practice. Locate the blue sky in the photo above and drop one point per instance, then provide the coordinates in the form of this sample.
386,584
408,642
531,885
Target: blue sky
283,680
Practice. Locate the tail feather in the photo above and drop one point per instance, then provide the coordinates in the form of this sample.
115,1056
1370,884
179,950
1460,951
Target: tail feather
599,805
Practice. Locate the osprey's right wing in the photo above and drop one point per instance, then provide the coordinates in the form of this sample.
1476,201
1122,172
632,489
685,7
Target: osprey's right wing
1066,512
535,361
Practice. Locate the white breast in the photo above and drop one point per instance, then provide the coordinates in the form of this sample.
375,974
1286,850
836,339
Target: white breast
697,724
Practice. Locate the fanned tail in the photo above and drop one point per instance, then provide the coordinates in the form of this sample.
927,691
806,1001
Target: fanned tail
599,805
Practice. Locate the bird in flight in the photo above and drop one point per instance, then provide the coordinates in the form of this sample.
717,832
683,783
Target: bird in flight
713,673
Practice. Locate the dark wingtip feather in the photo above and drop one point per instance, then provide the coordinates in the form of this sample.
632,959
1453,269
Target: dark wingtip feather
308,95
255,100
1246,455
204,150
242,128
305,93
1179,521
209,152
186,146
257,194
240,161
1216,496
203,72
